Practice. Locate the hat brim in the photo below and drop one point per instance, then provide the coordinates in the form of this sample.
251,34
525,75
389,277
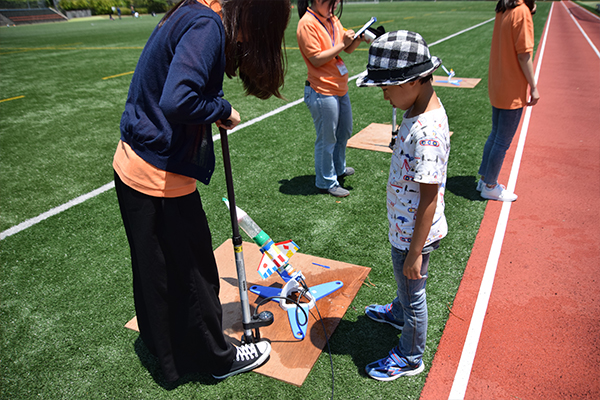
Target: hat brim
363,79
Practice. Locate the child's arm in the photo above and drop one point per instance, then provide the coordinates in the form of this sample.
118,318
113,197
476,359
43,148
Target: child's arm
425,214
354,44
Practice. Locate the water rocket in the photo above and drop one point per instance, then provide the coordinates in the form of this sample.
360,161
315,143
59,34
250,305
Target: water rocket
276,258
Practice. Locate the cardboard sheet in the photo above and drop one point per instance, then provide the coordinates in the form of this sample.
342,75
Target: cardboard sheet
291,359
374,137
455,82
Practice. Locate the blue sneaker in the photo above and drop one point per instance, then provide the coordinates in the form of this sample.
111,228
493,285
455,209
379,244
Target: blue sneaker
392,367
382,314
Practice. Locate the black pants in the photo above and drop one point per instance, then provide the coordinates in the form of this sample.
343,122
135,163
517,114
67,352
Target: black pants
175,281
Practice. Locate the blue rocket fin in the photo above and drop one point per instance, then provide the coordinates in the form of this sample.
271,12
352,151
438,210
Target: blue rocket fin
266,291
325,289
298,321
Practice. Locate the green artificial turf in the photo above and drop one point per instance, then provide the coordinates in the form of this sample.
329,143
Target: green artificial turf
66,282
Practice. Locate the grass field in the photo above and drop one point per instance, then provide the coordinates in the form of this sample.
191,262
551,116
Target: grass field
66,281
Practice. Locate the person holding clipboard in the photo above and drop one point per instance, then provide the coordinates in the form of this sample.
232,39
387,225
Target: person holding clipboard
321,38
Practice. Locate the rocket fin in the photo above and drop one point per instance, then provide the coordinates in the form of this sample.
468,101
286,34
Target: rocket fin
325,289
298,321
288,247
266,291
266,267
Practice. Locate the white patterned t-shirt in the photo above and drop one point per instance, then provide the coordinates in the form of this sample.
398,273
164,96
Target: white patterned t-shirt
420,155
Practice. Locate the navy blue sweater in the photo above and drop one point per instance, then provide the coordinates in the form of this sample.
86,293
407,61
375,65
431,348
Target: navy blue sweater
176,93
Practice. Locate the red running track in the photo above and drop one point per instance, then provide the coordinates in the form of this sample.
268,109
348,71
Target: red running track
540,335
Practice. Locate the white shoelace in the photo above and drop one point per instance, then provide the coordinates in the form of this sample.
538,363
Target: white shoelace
246,352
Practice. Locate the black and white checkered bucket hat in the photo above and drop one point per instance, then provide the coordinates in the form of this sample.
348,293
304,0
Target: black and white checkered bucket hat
396,58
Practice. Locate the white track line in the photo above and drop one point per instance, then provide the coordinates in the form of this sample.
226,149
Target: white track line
581,29
465,365
81,199
588,11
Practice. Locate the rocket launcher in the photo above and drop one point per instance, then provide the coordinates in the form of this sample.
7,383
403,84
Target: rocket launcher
276,258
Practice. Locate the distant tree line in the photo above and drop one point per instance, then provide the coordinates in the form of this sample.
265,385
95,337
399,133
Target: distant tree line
105,6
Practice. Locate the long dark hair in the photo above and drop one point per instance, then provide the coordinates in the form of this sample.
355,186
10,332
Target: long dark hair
504,5
255,36
304,4
254,42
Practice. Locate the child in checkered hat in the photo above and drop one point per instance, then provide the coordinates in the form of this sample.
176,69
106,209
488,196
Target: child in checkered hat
400,63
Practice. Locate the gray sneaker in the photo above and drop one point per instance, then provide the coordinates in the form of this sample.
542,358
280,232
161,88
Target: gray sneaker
349,171
336,191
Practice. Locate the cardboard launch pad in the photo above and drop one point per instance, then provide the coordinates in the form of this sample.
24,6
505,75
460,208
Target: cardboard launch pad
468,83
291,359
374,137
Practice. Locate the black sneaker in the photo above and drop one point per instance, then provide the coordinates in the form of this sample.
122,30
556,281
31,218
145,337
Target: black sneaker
249,356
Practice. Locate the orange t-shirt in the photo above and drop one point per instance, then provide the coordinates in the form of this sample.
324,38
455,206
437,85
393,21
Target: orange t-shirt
316,34
513,34
145,177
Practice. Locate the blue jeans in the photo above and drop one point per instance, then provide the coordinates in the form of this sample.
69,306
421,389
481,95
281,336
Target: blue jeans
410,306
504,127
332,116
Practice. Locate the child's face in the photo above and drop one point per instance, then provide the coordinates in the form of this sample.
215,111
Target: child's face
401,96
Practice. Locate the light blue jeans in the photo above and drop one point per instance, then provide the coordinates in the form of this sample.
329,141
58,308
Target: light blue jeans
332,116
409,308
504,127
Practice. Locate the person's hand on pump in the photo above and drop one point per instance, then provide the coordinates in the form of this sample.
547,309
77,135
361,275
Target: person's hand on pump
231,122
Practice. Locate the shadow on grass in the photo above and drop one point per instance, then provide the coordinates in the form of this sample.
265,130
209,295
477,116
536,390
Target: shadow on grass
464,186
364,340
300,185
304,186
150,362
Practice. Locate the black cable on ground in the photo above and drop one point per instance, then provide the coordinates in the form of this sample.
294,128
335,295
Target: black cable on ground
298,306
326,340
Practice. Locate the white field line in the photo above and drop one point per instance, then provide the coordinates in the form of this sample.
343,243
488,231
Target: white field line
258,119
465,365
461,32
30,222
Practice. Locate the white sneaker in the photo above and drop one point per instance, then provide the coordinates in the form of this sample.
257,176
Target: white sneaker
498,192
480,185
